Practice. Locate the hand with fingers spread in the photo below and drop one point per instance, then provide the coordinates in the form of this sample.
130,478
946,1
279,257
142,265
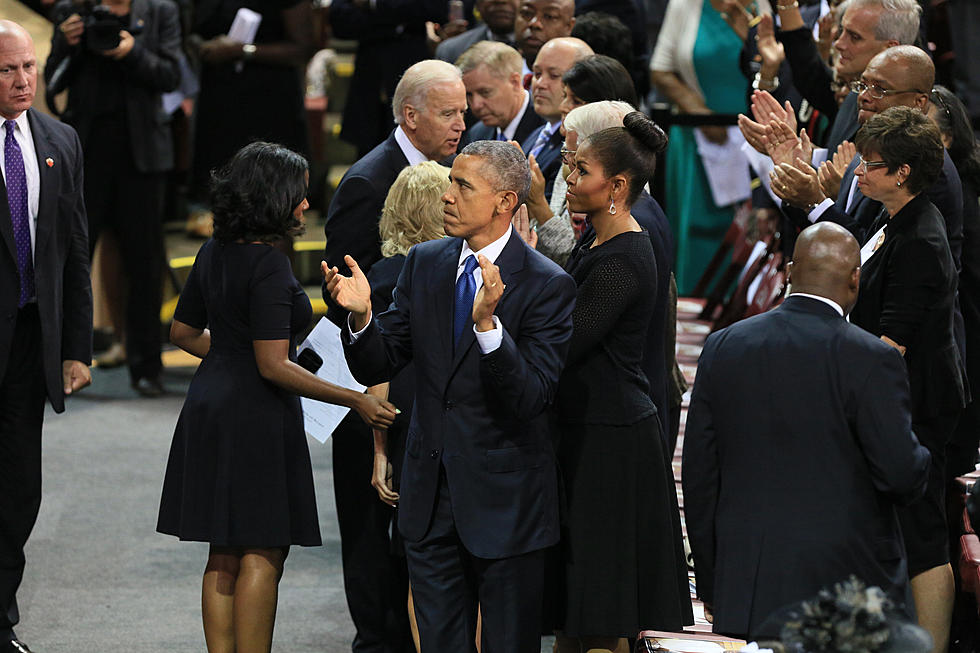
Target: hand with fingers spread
522,225
352,293
375,411
489,294
832,172
796,184
765,108
770,49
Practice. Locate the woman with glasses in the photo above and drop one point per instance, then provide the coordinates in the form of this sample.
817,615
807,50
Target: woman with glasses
907,298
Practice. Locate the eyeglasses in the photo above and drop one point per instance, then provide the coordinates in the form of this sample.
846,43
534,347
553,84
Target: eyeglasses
942,103
568,156
876,91
866,165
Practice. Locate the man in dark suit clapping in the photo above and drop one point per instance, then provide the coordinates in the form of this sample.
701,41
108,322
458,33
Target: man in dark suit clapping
45,300
487,322
798,445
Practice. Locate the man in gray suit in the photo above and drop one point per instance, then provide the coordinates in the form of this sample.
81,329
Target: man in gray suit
498,25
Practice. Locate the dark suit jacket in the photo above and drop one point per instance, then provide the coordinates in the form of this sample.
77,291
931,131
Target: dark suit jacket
845,125
151,68
61,266
481,417
390,37
450,49
549,158
480,132
908,293
353,214
798,443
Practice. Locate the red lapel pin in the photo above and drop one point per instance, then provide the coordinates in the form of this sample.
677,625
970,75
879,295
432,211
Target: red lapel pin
50,162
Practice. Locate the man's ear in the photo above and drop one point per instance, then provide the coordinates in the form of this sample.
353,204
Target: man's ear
789,273
506,202
516,80
410,116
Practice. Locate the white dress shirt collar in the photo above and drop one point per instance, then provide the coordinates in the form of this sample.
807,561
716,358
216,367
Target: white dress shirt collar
408,149
511,129
491,252
829,302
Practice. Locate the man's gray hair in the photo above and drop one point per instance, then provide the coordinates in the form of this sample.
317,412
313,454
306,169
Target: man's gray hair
899,20
596,116
415,84
501,60
504,166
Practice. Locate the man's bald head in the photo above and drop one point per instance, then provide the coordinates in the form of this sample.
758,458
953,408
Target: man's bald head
911,66
827,262
553,60
572,46
18,70
905,73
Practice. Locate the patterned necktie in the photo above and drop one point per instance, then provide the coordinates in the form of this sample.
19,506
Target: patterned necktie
542,140
16,181
465,290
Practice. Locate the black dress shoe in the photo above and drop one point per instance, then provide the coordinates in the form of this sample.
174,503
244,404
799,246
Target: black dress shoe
148,387
14,646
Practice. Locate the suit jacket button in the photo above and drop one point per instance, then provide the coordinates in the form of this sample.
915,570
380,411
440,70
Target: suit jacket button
449,405
434,454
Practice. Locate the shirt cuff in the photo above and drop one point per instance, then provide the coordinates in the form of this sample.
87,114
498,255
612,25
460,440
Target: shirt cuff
489,341
354,335
819,209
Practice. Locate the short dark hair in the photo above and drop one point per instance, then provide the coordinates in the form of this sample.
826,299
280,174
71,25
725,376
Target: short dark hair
954,122
505,167
631,149
606,34
599,78
903,135
253,196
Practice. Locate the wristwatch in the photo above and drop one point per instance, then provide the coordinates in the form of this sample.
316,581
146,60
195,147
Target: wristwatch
248,51
758,84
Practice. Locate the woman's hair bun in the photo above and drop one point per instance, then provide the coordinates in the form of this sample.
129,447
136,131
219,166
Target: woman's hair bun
645,131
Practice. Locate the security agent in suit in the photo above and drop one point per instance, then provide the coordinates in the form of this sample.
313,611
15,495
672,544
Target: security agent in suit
554,59
45,300
114,103
495,94
479,492
798,446
498,25
428,107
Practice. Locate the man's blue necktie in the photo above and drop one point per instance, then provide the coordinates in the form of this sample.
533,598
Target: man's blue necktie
16,182
541,141
500,135
465,291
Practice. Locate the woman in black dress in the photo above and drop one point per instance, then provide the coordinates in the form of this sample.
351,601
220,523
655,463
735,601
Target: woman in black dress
624,561
907,298
239,474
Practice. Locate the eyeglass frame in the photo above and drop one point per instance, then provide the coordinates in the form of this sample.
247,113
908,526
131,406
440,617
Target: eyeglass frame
564,156
870,165
858,86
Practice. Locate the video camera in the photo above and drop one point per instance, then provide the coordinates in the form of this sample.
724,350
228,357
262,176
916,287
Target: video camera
102,27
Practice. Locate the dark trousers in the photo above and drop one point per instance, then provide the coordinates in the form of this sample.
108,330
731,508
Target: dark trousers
22,397
448,582
375,577
129,203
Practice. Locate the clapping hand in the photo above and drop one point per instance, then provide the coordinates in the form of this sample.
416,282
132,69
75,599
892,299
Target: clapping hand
784,146
796,184
490,293
832,172
771,50
352,293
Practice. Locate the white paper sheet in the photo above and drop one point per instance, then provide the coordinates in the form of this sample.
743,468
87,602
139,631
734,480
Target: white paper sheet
244,28
321,419
726,167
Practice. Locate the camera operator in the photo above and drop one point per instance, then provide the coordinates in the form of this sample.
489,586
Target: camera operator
116,58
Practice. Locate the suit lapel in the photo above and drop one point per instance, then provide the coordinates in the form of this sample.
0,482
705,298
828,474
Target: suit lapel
847,180
510,262
137,14
6,226
444,279
47,164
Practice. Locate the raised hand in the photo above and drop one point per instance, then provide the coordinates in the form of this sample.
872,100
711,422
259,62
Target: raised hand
831,172
522,225
784,146
489,294
754,133
765,108
352,293
772,52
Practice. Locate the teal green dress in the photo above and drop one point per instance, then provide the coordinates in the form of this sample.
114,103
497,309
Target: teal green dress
699,225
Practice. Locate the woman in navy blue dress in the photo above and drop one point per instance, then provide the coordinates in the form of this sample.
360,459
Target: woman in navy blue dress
239,474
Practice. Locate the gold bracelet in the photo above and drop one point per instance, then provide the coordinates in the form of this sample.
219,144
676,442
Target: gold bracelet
795,5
